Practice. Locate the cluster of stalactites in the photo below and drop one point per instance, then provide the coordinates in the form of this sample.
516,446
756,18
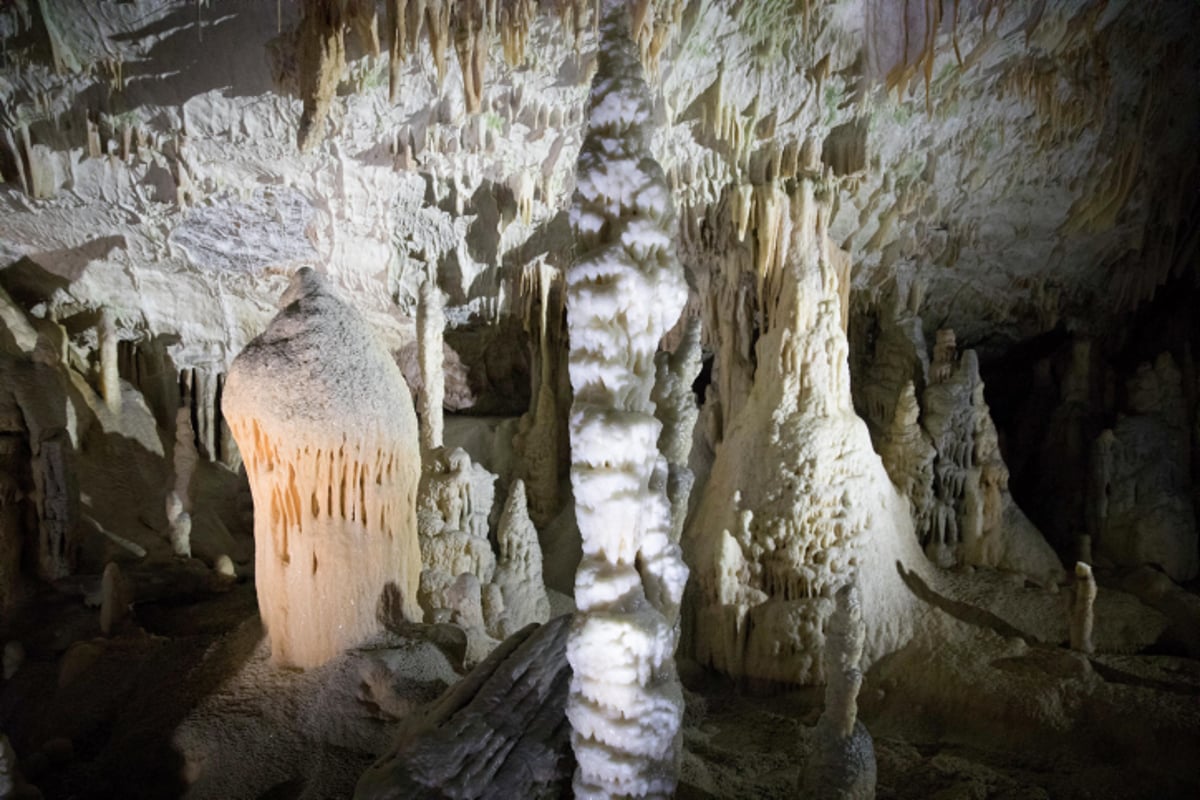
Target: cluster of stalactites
515,19
763,207
651,24
470,25
540,292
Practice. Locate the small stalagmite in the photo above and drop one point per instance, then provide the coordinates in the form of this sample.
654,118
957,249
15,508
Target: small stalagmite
1083,618
326,424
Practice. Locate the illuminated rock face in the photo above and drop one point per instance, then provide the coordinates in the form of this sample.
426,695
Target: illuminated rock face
327,428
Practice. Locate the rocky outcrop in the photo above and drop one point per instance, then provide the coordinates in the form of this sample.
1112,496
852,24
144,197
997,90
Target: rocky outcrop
501,732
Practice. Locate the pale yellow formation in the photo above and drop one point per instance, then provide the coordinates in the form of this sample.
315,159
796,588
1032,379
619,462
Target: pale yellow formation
326,425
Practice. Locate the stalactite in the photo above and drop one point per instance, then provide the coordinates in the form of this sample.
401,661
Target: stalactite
322,61
574,16
437,29
1083,598
361,15
396,40
516,17
184,458
469,23
110,377
537,437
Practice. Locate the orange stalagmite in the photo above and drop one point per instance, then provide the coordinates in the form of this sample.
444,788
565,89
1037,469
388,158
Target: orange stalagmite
327,428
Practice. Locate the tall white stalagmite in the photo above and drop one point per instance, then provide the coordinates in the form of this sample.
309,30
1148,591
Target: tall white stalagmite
625,290
431,322
326,425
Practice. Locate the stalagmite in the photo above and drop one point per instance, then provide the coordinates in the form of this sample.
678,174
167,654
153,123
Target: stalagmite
113,600
1142,471
174,506
110,379
675,406
13,658
181,535
519,568
625,704
453,505
56,493
325,424
430,324
1083,597
185,458
797,500
945,355
224,567
842,765
944,452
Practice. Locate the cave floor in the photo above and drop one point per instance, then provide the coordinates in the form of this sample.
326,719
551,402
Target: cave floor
92,716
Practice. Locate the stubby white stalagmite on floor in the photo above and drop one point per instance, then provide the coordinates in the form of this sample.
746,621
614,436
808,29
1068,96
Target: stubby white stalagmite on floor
326,425
624,292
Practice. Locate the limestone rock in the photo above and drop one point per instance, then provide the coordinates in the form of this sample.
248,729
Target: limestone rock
499,733
1141,471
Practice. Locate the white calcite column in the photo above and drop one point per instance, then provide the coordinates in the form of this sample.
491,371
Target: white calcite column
431,323
326,426
110,379
625,290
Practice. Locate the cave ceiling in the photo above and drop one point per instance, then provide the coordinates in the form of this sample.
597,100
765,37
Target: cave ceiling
1019,166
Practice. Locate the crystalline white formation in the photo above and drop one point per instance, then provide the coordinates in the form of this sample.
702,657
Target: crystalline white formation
624,292
326,425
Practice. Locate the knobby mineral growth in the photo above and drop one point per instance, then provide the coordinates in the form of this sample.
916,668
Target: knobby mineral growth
624,292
